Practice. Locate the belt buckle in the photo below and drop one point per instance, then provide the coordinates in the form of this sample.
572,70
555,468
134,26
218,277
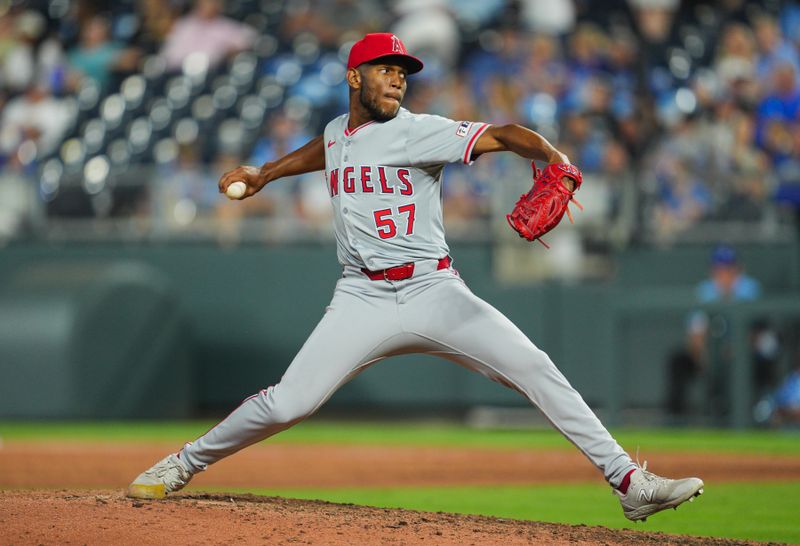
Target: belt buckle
399,272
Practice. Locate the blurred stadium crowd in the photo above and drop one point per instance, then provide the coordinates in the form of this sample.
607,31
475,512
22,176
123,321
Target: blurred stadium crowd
119,116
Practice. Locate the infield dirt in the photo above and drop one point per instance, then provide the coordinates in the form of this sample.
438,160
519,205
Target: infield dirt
77,495
106,517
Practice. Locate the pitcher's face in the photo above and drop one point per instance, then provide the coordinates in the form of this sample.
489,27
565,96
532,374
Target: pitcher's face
383,87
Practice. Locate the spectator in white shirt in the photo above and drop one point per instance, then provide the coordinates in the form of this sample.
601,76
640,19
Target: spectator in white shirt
35,116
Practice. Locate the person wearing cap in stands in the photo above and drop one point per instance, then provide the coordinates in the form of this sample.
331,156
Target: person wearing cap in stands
727,282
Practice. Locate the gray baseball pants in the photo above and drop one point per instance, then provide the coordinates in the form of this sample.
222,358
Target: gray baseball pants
433,313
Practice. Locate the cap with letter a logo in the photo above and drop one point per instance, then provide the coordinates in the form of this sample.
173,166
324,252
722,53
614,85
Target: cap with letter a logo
382,44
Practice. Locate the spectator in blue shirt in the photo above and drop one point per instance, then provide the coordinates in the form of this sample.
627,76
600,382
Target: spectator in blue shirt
787,399
97,57
727,282
782,101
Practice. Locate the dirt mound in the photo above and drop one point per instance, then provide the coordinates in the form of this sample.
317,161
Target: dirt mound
83,502
107,517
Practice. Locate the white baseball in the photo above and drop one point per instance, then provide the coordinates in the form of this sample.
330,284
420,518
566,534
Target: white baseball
236,190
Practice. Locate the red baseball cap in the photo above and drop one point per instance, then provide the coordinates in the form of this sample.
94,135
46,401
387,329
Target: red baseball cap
381,44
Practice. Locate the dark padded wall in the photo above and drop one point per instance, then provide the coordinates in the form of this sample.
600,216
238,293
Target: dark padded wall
92,339
96,337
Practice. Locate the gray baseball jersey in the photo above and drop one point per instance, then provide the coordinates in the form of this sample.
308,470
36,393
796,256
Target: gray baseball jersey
385,183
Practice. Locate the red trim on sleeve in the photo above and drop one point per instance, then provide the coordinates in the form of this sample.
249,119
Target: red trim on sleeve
472,141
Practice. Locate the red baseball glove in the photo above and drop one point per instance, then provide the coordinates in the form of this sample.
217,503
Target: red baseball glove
543,207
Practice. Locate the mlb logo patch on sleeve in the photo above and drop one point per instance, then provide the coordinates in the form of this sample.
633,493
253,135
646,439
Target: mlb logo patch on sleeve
463,128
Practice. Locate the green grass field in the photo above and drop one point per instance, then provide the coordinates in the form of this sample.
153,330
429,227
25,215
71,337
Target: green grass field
762,511
413,434
766,512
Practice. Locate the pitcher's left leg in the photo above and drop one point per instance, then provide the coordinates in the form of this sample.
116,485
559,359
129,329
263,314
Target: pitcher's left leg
476,335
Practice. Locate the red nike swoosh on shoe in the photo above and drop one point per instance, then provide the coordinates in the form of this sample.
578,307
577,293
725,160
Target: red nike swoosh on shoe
331,143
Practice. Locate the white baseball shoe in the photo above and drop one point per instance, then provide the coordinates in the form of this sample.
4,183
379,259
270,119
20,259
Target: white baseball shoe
648,493
166,476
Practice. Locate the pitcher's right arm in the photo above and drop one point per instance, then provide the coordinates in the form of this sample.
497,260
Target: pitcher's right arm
308,158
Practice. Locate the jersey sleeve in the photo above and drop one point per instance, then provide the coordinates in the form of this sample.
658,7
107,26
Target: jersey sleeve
435,140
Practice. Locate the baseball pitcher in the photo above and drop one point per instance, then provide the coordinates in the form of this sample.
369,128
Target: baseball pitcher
399,292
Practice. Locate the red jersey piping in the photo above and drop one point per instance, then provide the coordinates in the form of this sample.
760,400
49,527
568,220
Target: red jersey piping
472,141
351,132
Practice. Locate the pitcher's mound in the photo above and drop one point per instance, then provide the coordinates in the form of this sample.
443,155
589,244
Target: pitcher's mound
107,517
